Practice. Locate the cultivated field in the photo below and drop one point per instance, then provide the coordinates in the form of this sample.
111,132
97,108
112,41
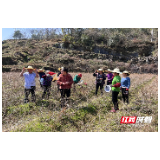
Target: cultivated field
86,112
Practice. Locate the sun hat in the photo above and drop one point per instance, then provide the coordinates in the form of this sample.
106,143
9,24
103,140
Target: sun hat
29,67
80,74
107,88
40,70
60,68
100,70
116,70
126,72
109,70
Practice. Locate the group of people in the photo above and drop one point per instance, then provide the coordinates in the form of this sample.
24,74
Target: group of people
63,78
65,81
116,82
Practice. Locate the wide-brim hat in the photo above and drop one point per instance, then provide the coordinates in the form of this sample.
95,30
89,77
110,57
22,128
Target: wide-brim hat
29,67
107,88
100,69
126,72
109,70
116,70
41,70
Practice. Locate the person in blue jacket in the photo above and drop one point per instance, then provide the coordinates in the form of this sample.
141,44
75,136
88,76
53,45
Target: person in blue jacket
125,85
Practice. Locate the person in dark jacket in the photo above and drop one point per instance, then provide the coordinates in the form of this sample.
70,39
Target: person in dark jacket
47,83
100,80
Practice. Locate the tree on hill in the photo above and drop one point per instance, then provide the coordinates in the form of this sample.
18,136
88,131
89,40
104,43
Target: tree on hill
17,34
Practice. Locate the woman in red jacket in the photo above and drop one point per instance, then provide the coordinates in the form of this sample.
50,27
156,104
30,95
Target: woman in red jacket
65,81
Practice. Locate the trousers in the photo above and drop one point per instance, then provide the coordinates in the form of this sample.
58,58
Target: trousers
125,95
27,92
46,90
99,85
64,92
115,99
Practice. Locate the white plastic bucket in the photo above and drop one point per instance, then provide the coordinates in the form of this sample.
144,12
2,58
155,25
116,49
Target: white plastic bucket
107,88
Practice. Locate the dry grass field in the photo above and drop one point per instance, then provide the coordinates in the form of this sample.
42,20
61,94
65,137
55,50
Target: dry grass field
86,112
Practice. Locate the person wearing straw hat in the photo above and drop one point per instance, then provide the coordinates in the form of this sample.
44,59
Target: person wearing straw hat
109,77
125,84
60,71
100,80
41,73
30,84
116,83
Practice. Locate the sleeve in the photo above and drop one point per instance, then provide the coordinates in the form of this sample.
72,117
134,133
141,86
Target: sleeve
75,77
104,77
110,76
118,83
128,83
58,74
44,76
51,78
121,83
59,81
94,74
24,74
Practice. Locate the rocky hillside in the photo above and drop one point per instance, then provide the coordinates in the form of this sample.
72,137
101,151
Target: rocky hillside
135,57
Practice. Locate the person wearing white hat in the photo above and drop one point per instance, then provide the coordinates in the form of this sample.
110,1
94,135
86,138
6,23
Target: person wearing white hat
116,83
30,84
125,84
100,80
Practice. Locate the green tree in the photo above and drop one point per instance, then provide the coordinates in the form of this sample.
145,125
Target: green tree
17,34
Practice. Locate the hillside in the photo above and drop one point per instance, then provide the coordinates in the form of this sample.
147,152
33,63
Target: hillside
86,112
136,56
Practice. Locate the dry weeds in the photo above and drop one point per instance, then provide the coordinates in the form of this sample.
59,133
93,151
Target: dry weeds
86,112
